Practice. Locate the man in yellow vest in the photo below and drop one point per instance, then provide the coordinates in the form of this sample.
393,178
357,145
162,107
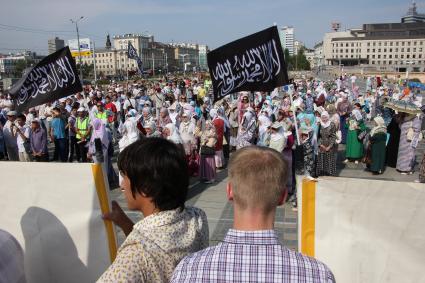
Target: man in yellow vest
82,127
101,114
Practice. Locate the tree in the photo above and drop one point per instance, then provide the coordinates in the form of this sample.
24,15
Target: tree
296,62
20,66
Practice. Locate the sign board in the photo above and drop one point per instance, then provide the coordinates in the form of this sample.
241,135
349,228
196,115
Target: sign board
85,47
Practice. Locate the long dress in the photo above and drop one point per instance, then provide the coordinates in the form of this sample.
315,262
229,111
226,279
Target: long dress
219,129
377,143
354,149
287,155
393,130
406,152
326,160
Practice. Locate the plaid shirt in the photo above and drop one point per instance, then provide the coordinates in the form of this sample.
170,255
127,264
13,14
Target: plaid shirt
250,256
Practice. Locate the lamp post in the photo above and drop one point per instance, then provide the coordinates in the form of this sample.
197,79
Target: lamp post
78,40
184,67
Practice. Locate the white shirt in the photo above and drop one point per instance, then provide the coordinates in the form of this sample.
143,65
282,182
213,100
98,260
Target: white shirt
129,102
20,141
117,105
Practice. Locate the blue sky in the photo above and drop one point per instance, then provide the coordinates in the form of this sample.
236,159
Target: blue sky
198,21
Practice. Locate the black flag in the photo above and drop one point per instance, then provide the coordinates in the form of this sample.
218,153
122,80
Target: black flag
51,79
132,54
253,63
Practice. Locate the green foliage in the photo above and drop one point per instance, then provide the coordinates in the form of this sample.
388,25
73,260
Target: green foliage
296,62
20,66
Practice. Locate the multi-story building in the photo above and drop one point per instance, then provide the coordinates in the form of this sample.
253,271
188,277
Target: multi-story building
395,46
385,46
54,44
156,56
318,55
412,15
203,50
8,62
287,38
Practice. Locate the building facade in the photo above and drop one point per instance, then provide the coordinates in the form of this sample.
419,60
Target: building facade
412,15
157,57
203,51
384,46
54,44
287,38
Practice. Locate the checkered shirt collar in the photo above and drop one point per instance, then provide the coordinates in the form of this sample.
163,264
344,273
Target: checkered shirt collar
260,237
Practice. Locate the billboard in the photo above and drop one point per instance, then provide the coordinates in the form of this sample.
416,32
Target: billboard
85,47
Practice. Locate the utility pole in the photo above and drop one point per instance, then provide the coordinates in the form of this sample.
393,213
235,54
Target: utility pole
79,51
153,65
184,67
94,64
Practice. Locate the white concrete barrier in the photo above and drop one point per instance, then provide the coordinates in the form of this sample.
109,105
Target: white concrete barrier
364,230
54,211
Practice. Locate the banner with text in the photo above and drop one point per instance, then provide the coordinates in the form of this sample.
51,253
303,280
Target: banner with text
53,78
85,47
252,63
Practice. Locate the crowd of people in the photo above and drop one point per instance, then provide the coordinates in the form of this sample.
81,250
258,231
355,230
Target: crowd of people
306,127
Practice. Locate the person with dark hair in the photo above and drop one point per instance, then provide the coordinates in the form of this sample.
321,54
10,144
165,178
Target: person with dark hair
23,136
155,182
57,135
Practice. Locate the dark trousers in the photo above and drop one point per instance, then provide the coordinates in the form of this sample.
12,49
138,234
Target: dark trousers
82,150
73,147
42,158
60,149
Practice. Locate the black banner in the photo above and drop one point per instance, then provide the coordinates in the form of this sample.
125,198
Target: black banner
51,79
132,54
252,63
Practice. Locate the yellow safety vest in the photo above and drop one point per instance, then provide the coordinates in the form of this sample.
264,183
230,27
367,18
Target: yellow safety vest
82,126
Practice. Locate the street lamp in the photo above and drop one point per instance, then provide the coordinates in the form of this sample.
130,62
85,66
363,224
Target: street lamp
78,40
184,68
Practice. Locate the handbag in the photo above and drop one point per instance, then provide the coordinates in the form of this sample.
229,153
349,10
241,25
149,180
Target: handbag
362,135
207,151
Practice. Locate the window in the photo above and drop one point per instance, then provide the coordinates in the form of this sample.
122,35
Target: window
373,62
402,56
380,43
352,50
346,50
396,44
373,50
391,43
379,50
408,49
352,44
341,50
396,56
373,56
385,49
385,43
396,50
390,56
390,62
414,49
346,45
402,50
413,56
414,43
385,56
368,50
379,56
374,44
402,43
391,50
367,57
352,56
368,44
408,43
420,56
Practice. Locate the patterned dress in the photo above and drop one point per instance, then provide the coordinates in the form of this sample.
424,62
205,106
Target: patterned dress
326,160
157,244
406,152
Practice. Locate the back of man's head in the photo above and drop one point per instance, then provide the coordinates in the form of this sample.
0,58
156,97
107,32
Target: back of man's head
257,176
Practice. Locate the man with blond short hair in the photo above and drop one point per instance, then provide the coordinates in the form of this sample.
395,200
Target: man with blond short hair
251,251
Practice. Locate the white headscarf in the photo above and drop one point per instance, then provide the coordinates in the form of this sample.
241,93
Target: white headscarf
174,134
325,115
130,133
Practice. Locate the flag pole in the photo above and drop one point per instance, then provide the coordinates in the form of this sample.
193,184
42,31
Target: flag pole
126,66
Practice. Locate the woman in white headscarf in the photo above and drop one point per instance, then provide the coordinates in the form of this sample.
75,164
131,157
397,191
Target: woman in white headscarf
219,126
354,149
171,133
264,122
277,139
377,147
247,129
328,147
207,161
186,130
129,132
